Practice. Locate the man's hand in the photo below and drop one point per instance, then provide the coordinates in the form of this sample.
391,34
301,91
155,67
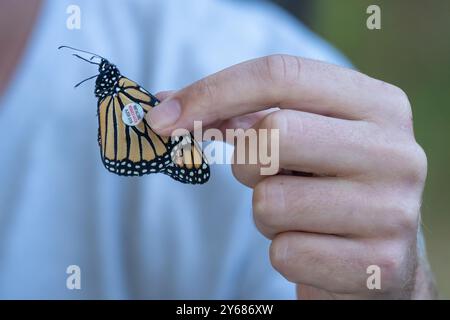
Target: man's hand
354,134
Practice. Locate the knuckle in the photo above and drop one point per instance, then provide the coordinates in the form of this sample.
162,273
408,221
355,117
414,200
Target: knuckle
274,120
259,199
395,269
278,253
281,121
390,263
291,130
407,159
204,90
402,106
413,162
402,99
263,212
403,217
418,165
286,121
281,68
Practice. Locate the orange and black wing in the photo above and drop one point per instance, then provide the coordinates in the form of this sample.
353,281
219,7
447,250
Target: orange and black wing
138,150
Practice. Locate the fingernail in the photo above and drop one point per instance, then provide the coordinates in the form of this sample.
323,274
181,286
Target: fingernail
164,114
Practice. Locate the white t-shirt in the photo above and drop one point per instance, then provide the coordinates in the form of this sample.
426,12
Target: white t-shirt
147,237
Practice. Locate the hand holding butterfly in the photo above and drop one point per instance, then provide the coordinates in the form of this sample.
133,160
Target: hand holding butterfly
360,208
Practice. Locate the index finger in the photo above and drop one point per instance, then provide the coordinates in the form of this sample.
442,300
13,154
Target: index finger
278,80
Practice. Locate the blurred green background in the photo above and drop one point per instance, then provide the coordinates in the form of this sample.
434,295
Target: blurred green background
412,51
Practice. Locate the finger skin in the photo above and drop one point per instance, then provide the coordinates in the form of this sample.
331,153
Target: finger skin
329,206
163,95
314,143
287,82
339,265
242,122
333,147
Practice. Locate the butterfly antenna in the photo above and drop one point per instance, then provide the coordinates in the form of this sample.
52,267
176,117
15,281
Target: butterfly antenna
72,48
85,80
88,61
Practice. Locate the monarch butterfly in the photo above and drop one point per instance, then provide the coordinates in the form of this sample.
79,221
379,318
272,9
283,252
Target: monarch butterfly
128,145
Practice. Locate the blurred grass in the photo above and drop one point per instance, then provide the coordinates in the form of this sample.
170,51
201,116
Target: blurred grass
412,51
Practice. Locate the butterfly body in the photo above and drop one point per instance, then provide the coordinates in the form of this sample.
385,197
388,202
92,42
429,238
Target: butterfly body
107,80
134,149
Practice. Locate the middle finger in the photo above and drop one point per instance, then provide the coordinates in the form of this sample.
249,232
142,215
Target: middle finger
312,143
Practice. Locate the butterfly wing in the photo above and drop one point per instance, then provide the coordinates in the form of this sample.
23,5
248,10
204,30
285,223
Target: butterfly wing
138,150
188,165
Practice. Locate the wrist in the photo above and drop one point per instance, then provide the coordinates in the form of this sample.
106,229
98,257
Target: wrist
425,285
